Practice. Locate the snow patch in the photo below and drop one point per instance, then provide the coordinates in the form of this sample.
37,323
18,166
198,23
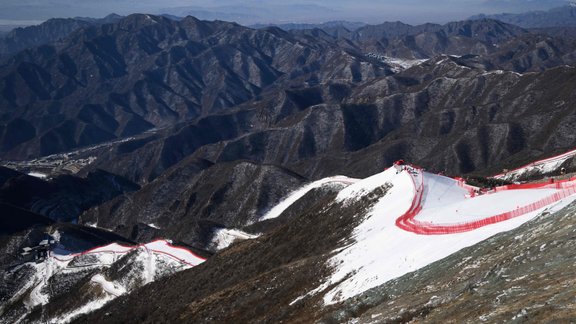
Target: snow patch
108,286
397,64
224,237
38,175
152,261
85,309
294,196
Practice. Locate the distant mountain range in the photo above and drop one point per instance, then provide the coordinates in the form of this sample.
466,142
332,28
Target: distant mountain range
48,32
557,17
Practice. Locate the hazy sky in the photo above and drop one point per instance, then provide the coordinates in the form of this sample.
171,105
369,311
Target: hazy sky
253,11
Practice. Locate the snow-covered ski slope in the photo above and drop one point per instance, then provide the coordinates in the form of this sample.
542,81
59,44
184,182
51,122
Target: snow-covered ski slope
538,167
425,217
299,193
141,264
161,247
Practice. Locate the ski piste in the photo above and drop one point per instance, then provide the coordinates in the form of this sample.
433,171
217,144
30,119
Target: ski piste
522,199
424,217
160,246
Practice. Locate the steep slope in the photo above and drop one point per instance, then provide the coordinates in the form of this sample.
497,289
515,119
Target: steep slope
121,79
194,197
63,198
65,285
521,275
280,277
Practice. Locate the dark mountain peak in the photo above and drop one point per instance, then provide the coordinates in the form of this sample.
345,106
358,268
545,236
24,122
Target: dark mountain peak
390,30
111,18
47,32
489,30
141,20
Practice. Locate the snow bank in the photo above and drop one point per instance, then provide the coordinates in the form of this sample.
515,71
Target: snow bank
150,261
179,253
294,196
108,253
224,237
108,286
38,175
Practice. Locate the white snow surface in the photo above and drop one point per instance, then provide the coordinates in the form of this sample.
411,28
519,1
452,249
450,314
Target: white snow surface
223,237
382,251
299,193
108,286
399,64
38,175
107,253
159,258
85,309
446,203
542,167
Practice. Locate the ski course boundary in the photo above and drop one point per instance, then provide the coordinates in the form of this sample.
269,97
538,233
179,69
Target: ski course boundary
408,221
558,157
130,248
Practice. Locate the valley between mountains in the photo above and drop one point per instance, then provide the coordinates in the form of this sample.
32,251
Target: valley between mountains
155,169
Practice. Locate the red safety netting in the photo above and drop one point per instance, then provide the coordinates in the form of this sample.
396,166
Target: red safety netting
96,250
539,162
408,222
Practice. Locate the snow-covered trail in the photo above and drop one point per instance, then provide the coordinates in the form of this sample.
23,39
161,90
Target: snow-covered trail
541,166
299,193
151,261
443,205
162,247
390,242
